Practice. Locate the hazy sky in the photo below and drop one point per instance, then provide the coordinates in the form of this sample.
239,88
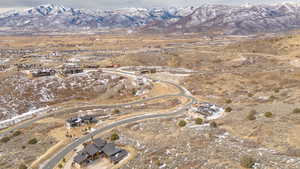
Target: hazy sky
108,4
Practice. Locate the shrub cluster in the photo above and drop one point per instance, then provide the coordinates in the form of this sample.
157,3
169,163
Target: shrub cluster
251,115
296,111
198,121
116,111
5,139
272,97
268,114
23,166
157,162
213,124
182,123
228,101
114,137
17,133
247,162
228,109
60,166
33,141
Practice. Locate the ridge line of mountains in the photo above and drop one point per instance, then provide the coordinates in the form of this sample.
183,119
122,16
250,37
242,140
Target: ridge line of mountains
215,18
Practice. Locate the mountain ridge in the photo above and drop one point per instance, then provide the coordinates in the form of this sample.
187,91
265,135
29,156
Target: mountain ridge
223,18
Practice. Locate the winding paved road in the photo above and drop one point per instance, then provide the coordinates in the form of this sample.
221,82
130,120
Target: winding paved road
183,92
59,156
74,110
51,163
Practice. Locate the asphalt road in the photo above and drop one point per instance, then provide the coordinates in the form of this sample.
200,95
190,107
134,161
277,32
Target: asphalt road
27,123
50,164
59,156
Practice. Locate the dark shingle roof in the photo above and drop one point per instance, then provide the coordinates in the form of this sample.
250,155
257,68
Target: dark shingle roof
110,149
74,120
99,143
119,156
71,120
80,158
91,149
87,117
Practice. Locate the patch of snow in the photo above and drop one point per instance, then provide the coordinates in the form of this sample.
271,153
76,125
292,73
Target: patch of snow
19,118
163,166
199,127
141,92
3,61
295,63
264,98
223,136
216,115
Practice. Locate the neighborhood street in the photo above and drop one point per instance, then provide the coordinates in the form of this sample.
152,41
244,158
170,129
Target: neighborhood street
50,164
60,155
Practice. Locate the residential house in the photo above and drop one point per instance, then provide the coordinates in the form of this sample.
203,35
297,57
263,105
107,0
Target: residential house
114,153
98,149
78,121
43,72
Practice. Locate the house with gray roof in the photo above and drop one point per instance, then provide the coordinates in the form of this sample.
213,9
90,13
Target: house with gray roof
97,149
99,143
110,149
78,121
91,150
81,159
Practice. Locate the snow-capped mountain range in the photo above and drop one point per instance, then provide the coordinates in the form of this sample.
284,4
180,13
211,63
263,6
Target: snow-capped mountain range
244,19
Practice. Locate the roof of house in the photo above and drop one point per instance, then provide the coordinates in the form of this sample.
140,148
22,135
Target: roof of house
114,153
99,143
110,149
119,156
91,149
87,117
79,158
74,120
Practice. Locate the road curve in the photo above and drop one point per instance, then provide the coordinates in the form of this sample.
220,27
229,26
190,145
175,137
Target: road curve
59,156
84,108
50,164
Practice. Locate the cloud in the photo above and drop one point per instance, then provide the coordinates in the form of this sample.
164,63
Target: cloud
109,4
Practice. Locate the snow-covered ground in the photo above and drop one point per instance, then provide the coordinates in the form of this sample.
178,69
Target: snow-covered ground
20,94
22,117
3,61
230,19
